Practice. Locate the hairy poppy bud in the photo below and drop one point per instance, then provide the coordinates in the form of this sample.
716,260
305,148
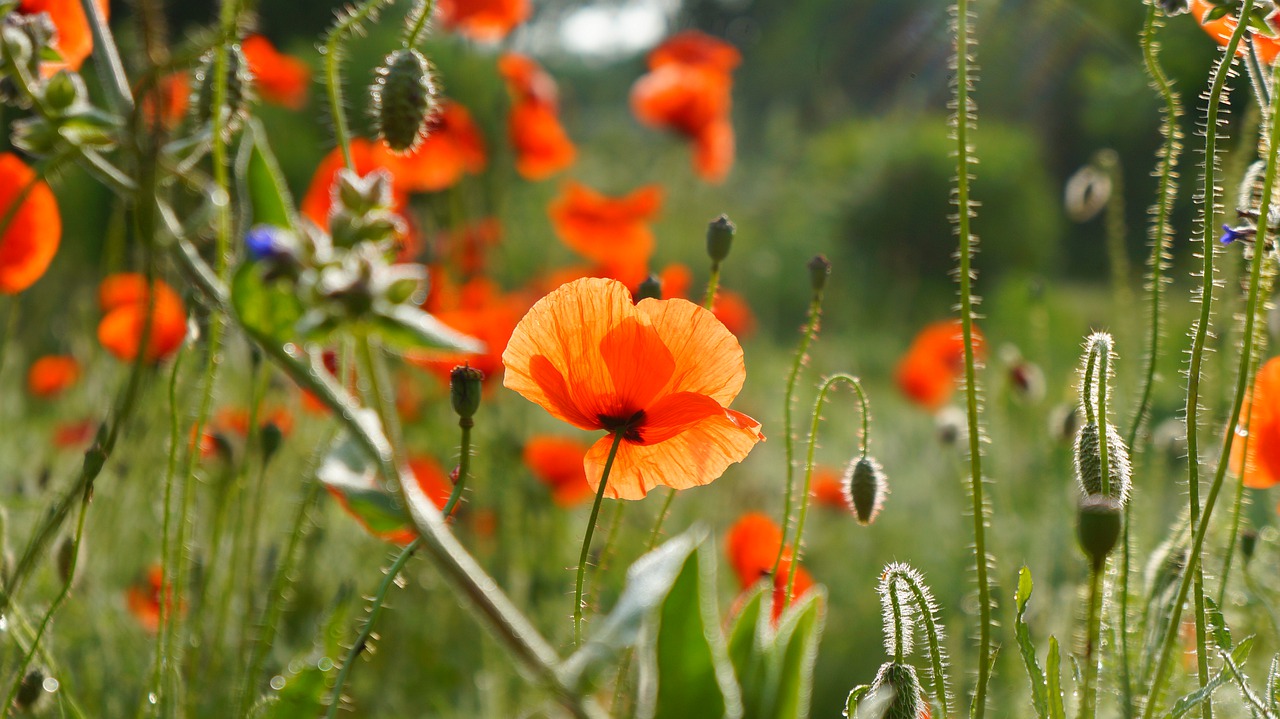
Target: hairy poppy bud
1089,462
1099,522
720,238
464,391
651,288
238,93
865,489
404,99
900,683
819,268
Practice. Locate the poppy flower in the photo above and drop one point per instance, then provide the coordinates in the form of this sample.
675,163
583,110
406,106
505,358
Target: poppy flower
611,231
1260,469
688,90
51,375
482,20
467,247
75,434
166,104
661,373
431,479
481,311
143,599
828,488
74,41
1222,28
452,147
730,307
126,302
752,546
928,373
542,146
557,463
30,240
279,78
236,419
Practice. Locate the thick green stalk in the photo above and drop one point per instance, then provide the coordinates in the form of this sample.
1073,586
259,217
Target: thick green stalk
586,540
110,70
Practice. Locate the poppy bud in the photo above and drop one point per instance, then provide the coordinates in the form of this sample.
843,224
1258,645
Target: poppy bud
1099,521
272,437
650,289
1248,543
65,556
952,426
1173,7
238,91
404,99
819,268
864,489
64,91
29,691
1089,462
720,238
464,391
902,685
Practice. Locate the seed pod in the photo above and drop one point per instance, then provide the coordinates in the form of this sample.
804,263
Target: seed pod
1248,544
819,268
1089,463
271,438
239,89
900,682
404,99
720,238
64,91
1099,522
464,391
865,489
651,288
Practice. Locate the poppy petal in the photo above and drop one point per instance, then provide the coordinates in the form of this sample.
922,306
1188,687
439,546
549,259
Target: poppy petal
708,357
30,240
636,383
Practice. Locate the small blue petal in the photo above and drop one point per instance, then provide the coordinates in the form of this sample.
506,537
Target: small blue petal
1229,235
261,242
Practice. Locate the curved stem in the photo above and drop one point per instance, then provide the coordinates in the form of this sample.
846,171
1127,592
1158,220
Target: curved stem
927,611
347,23
586,540
899,629
464,467
1102,350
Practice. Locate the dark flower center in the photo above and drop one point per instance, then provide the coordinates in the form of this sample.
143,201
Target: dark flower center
629,426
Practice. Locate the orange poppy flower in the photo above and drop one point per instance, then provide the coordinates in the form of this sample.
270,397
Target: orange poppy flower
483,20
51,375
1261,469
173,94
279,78
730,307
613,232
828,488
688,90
125,303
467,247
752,545
74,41
927,374
557,463
481,311
74,435
542,146
236,419
31,238
143,599
453,146
661,372
1222,28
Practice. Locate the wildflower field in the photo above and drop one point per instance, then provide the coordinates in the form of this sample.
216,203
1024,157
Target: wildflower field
639,358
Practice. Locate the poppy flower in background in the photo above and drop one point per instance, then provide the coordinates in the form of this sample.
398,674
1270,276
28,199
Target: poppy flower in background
1222,29
30,240
482,20
482,311
125,302
143,599
542,146
279,78
611,231
74,41
730,307
236,419
828,488
688,90
52,375
1261,410
167,104
928,373
467,247
662,373
453,146
557,463
752,547
75,434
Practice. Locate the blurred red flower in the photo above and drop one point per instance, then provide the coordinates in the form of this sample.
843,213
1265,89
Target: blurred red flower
557,463
1260,469
453,146
1222,28
483,20
279,78
611,231
752,546
125,302
927,374
144,598
30,240
51,375
542,146
74,41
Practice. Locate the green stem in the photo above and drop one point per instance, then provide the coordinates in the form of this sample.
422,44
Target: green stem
420,23
656,532
110,70
346,24
464,467
374,370
586,540
1092,657
167,567
1200,521
1102,350
713,286
927,611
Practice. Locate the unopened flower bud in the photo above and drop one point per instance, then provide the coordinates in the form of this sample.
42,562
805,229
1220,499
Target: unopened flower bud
64,91
865,489
903,687
464,391
1099,523
66,559
29,691
819,268
720,238
651,288
404,99
1089,462
362,194
271,437
1248,544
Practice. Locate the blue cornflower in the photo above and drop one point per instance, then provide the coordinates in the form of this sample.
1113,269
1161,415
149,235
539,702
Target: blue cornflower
264,242
1231,234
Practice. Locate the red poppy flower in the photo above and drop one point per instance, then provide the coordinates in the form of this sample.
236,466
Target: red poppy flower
1261,469
752,546
730,307
468,247
662,373
74,435
828,488
51,375
74,41
483,20
31,238
173,95
125,305
453,146
481,312
236,419
279,78
542,146
1222,29
928,372
143,599
557,463
688,90
613,232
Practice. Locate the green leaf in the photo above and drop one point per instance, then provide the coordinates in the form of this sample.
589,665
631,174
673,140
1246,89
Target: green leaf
747,646
406,327
685,670
268,194
266,308
856,695
793,656
1053,670
307,679
1039,690
347,472
1217,625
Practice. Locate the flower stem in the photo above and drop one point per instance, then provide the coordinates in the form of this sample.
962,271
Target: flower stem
346,24
713,286
586,540
1092,657
167,566
420,23
374,370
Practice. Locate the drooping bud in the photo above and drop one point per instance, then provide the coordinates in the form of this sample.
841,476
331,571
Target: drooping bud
1099,523
1064,422
720,238
952,426
404,99
865,489
900,683
819,268
1088,453
464,391
239,89
651,288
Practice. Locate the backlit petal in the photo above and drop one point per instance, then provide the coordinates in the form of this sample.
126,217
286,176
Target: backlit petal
708,356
